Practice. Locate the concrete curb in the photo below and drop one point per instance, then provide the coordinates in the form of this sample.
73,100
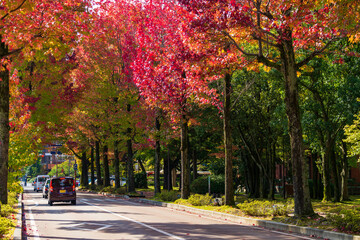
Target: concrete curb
18,228
313,232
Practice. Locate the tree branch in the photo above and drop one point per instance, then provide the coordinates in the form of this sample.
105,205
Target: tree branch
314,54
268,63
15,9
238,47
12,52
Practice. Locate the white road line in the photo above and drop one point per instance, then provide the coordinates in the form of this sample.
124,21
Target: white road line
32,223
140,223
245,225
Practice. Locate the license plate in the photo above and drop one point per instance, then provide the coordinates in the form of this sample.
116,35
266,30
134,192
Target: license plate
62,191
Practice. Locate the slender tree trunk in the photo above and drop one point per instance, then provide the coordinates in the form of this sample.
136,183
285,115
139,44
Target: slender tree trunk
116,164
84,180
98,166
130,166
229,185
185,163
130,159
92,167
261,182
157,187
4,125
344,175
335,171
302,199
326,170
194,165
271,194
106,166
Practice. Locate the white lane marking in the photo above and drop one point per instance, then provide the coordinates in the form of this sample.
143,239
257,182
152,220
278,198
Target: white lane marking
32,223
132,220
85,224
241,224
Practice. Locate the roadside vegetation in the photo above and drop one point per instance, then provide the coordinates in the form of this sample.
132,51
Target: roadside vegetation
8,216
332,216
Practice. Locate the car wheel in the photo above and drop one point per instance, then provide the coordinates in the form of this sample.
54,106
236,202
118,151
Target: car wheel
73,202
50,203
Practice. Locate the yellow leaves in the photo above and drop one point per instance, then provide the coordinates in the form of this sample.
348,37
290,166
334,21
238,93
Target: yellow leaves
354,38
298,74
306,68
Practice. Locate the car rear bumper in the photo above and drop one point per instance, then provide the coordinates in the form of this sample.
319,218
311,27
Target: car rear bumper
62,198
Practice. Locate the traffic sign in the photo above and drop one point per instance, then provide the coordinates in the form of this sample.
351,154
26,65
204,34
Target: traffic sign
75,166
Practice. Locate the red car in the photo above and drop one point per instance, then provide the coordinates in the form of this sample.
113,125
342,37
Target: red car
62,189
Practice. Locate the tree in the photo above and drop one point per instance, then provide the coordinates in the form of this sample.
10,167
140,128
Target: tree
283,35
164,73
27,27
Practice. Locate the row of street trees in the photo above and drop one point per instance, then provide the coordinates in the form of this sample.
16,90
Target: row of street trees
131,76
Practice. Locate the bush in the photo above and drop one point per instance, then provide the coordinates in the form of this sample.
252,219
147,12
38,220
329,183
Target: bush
108,189
168,196
200,200
264,208
5,225
347,220
6,210
141,180
121,190
200,185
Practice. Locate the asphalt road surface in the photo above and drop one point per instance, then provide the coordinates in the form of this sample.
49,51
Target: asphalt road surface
99,217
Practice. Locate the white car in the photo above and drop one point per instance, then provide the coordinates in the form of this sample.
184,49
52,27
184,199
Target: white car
40,182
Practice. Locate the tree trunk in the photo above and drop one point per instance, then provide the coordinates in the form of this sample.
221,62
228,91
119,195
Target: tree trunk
98,166
344,175
92,168
84,180
326,170
229,185
106,166
194,165
302,199
116,164
157,188
4,126
335,171
185,163
271,174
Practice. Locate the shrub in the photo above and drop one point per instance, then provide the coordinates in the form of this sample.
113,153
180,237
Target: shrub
168,196
141,180
200,200
6,210
264,208
347,220
5,225
200,185
108,189
121,190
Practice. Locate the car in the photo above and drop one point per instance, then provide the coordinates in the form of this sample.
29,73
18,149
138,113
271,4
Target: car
122,181
62,189
39,182
46,188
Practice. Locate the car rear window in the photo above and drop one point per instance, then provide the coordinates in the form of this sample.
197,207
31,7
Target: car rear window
65,182
42,179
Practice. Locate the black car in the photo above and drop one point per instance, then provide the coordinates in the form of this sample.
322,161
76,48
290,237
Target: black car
62,189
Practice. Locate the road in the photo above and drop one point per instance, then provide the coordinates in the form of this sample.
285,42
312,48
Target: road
100,217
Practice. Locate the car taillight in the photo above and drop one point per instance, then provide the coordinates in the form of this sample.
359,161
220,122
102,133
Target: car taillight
51,189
